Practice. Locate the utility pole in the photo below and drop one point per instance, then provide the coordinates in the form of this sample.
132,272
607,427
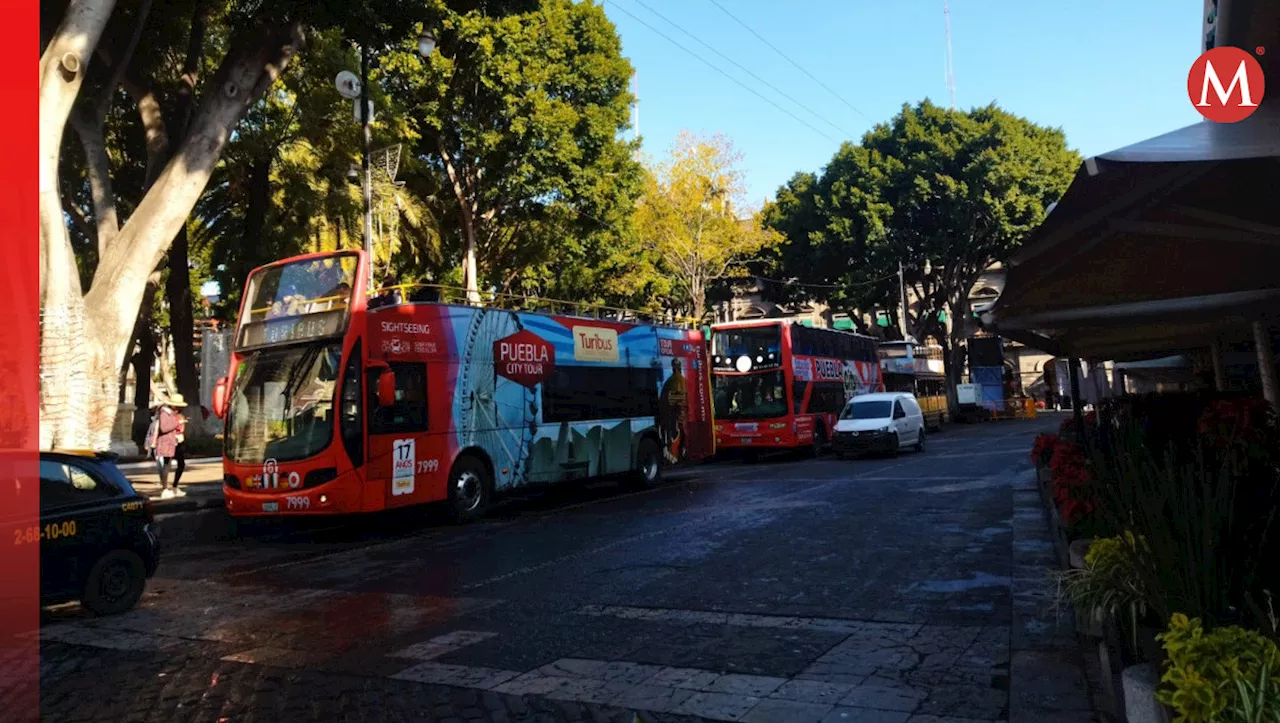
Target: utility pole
366,132
951,77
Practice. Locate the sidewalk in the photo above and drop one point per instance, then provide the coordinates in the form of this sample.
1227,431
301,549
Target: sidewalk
202,481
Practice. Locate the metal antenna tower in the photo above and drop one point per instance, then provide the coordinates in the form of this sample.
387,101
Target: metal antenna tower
951,78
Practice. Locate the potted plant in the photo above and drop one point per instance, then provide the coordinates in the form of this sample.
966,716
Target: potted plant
1107,587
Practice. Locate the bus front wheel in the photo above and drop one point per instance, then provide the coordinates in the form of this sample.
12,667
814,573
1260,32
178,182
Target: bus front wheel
470,489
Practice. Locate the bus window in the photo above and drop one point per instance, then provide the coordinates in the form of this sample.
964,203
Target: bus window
827,397
409,413
798,388
580,394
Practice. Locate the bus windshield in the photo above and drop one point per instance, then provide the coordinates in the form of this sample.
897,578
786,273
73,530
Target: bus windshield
282,403
296,301
750,396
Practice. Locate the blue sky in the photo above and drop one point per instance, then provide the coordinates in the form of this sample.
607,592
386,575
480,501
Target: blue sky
1108,73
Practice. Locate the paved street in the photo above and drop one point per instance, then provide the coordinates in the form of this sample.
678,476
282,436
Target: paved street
880,590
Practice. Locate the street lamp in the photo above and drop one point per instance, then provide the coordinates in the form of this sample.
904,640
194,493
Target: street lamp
426,45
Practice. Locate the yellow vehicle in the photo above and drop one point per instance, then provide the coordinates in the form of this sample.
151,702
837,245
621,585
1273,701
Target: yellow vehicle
909,366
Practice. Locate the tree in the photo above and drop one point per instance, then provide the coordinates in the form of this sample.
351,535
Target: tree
693,217
283,187
520,116
944,193
85,334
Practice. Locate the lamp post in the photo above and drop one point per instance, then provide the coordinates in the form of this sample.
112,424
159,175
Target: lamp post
426,45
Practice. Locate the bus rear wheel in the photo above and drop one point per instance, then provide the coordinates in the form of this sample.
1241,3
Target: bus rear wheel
470,489
648,471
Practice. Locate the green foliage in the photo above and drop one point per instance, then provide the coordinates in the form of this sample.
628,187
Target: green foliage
1204,553
1228,674
692,218
946,193
1109,580
518,116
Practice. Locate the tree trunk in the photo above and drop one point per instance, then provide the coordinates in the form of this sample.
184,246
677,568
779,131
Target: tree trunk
182,324
85,338
142,361
470,280
955,344
68,364
178,286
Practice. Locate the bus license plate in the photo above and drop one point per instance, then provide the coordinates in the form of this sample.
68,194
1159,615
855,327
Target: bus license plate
270,506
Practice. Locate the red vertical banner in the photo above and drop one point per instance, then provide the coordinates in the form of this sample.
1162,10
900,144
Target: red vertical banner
19,372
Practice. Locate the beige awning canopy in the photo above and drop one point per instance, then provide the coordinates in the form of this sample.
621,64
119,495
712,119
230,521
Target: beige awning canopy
1156,248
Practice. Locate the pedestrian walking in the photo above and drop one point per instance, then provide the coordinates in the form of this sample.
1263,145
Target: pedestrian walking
167,444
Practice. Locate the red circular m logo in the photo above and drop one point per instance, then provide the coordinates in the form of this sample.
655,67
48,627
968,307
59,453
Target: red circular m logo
1226,84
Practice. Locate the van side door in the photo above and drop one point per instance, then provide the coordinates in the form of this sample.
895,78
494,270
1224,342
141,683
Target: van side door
902,424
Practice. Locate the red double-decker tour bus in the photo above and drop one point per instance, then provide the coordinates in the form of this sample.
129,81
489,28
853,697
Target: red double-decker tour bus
341,401
780,385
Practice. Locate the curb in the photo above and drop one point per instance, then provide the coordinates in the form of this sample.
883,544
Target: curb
165,507
151,465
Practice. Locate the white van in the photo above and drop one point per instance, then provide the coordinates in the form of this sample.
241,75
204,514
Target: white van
881,422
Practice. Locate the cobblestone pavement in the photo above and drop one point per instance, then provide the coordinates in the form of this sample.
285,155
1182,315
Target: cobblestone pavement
906,589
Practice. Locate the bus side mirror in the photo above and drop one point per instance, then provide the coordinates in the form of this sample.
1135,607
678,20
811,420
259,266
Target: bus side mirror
387,388
220,398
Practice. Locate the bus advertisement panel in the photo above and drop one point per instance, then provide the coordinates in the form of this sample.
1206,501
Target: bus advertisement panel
420,402
780,385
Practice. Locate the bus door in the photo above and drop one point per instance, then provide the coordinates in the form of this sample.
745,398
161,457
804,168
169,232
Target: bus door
401,460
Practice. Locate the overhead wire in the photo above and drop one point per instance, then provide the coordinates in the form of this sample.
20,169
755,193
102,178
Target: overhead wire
719,70
787,58
785,282
743,68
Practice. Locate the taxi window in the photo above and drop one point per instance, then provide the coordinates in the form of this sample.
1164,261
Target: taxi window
66,483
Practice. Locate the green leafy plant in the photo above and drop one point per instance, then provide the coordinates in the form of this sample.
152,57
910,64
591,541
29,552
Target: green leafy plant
1108,582
1205,551
1226,674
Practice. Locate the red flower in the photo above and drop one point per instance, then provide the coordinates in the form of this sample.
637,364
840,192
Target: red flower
1229,421
1043,450
1071,481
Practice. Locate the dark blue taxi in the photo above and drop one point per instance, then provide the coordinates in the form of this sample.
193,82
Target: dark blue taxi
97,535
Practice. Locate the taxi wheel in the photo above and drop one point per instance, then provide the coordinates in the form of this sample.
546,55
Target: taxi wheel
470,489
115,583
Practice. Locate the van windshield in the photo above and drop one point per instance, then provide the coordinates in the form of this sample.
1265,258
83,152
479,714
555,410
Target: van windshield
868,410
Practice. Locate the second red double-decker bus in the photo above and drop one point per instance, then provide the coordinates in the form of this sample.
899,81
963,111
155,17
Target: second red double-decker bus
779,385
342,403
